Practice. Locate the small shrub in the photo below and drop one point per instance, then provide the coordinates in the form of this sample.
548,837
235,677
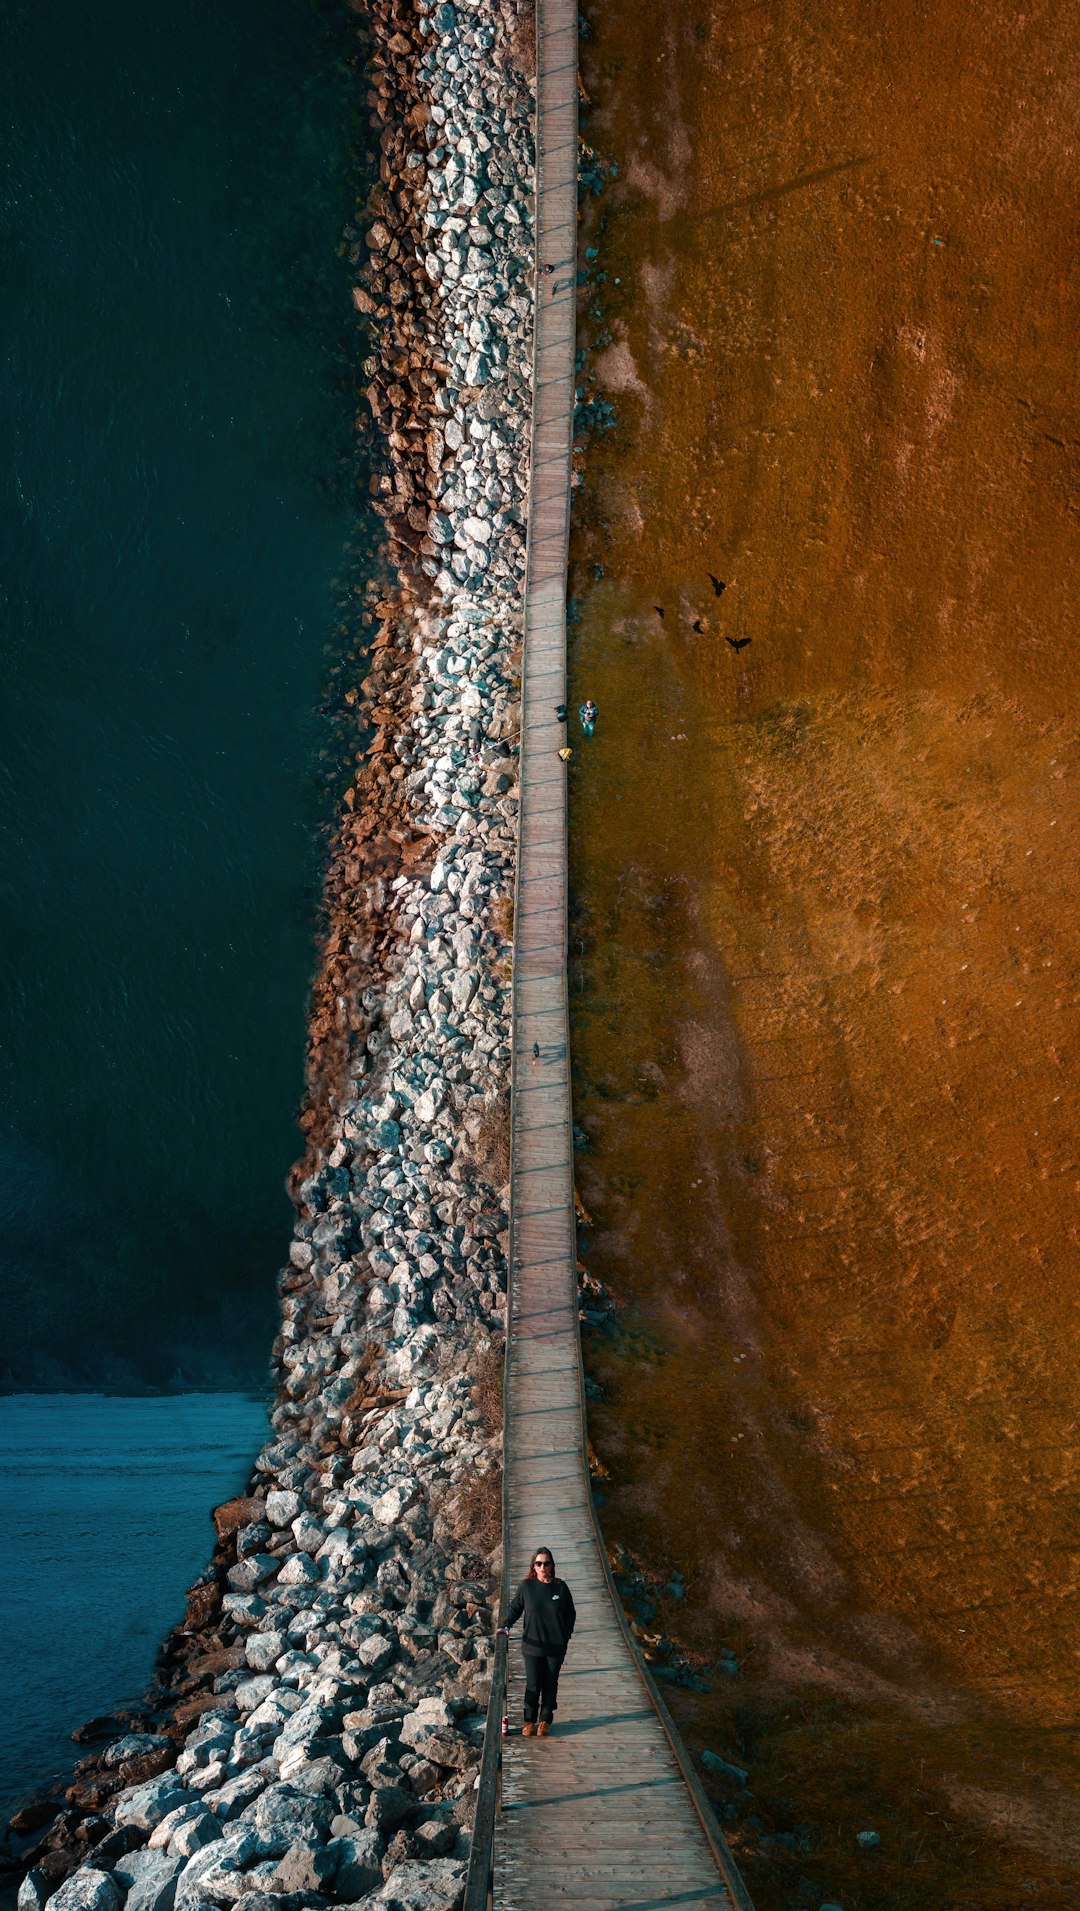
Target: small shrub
502,916
477,1512
521,51
491,1149
487,1390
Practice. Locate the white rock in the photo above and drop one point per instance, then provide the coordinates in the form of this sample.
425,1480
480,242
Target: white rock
253,1692
375,1653
275,1708
434,1884
148,1804
282,1508
299,1570
134,1745
194,1835
34,1891
245,1608
308,1533
389,1506
429,1712
159,1837
214,1874
87,1890
264,1649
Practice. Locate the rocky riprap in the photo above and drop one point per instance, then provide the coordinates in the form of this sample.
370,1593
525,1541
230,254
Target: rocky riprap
318,1734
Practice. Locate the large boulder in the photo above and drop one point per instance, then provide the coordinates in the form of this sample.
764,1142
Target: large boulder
320,1777
229,1800
305,1867
215,1874
115,1845
428,1712
263,1649
312,1722
357,1864
232,1514
251,1571
34,1891
245,1609
389,1807
155,1887
375,1653
128,1870
194,1835
134,1745
284,1815
282,1507
435,1837
442,1745
299,1570
252,1692
180,1815
148,1804
434,1884
88,1890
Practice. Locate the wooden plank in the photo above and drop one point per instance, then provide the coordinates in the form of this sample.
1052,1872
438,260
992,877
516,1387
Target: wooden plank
598,1814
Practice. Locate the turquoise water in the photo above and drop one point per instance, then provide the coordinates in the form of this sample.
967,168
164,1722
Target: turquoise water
176,495
105,1512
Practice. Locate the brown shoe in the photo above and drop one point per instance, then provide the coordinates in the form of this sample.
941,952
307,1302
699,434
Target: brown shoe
527,1729
543,1729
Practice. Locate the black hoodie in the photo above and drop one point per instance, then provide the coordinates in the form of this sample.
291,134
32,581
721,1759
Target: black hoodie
549,1615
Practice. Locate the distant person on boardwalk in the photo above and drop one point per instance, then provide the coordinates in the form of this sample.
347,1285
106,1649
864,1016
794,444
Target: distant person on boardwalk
588,714
549,1622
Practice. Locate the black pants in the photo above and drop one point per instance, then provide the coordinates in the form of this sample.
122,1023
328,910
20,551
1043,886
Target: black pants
541,1685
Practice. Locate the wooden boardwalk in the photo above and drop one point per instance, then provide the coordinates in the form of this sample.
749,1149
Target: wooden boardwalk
600,1814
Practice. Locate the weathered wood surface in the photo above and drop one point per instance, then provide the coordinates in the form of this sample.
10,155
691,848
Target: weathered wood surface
599,1814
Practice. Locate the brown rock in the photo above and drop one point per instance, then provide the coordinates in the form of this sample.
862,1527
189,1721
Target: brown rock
232,1514
90,1794
106,1725
151,1765
40,1811
203,1605
186,1714
221,1659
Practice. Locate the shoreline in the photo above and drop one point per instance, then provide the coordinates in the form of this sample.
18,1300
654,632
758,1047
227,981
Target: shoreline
318,1721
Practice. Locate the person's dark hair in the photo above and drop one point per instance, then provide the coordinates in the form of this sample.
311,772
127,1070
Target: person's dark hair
541,1552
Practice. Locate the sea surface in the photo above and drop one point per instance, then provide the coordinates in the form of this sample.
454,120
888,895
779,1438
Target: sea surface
176,497
105,1509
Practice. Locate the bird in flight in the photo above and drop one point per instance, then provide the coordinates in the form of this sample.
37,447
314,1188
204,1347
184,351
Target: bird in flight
738,643
659,609
698,625
718,587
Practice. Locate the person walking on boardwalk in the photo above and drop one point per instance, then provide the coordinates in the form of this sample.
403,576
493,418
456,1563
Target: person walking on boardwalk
549,1613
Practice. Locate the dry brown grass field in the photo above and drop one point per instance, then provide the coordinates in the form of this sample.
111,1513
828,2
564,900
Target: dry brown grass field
826,937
